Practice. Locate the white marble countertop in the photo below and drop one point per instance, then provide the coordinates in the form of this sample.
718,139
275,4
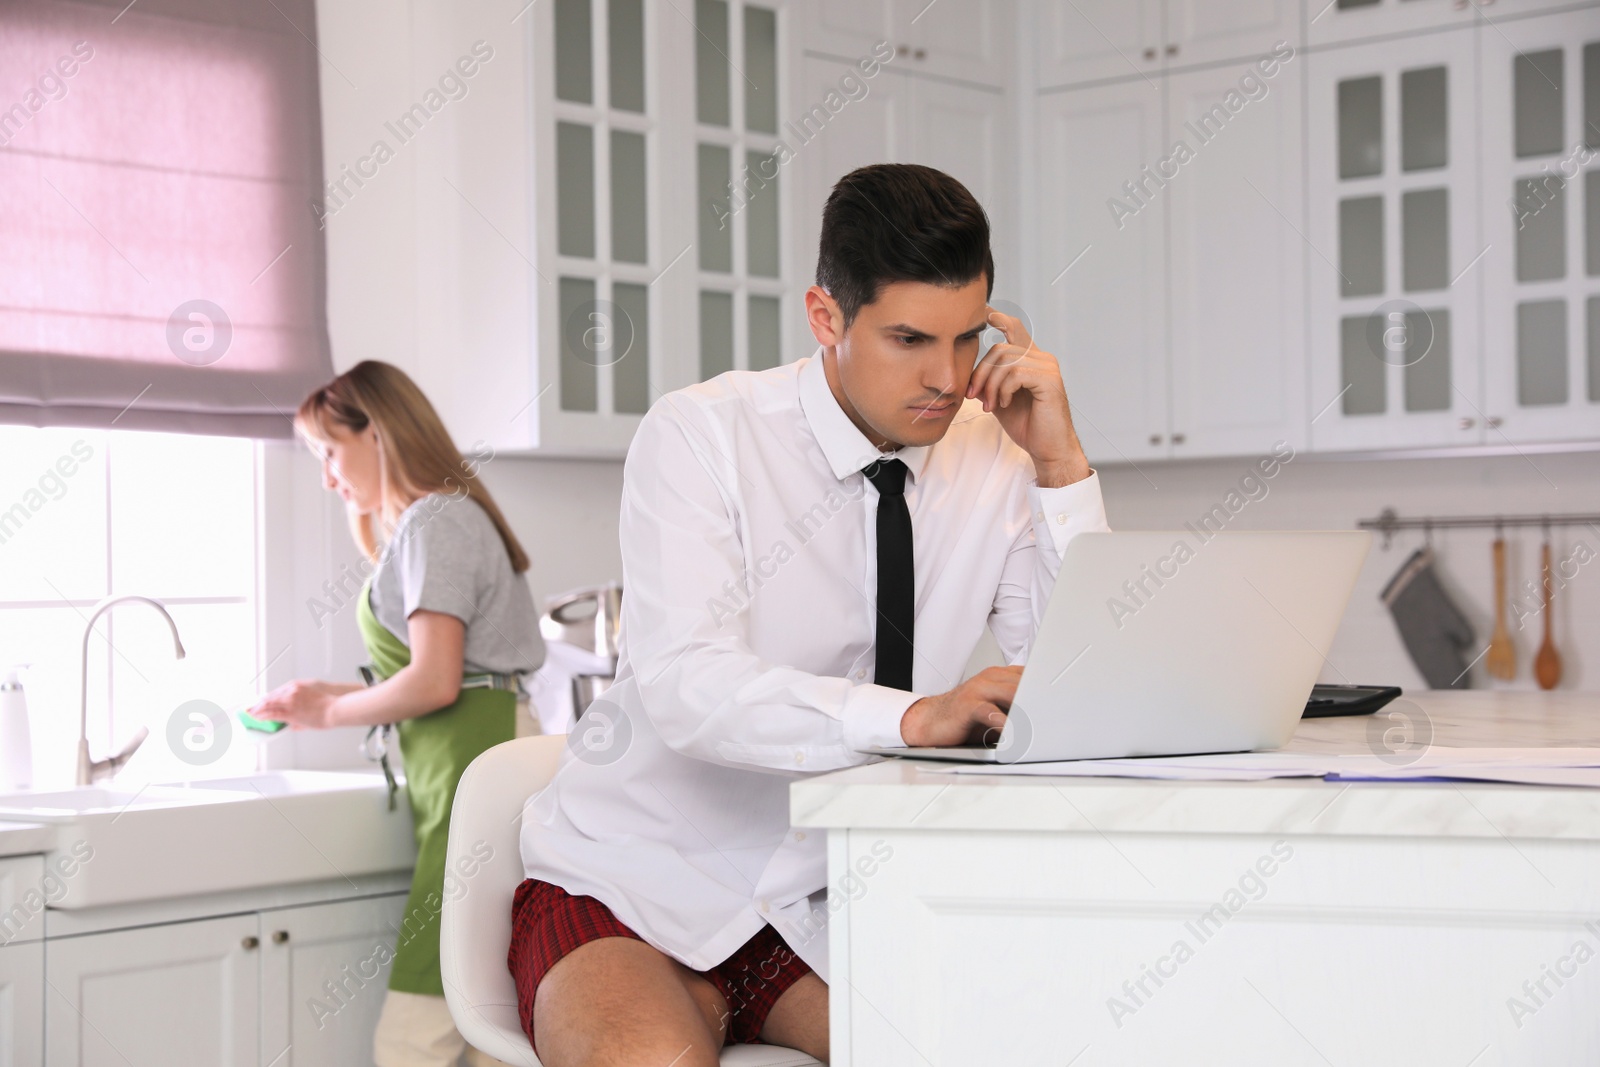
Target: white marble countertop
25,838
906,794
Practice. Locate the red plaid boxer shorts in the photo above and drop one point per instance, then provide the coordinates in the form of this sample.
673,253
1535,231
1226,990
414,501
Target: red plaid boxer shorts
547,923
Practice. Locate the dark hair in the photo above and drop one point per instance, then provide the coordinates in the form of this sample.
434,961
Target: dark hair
900,222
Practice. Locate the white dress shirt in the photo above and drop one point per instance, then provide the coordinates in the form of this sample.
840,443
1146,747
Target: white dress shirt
749,561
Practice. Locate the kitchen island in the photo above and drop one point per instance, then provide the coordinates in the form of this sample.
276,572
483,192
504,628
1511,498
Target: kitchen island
1007,919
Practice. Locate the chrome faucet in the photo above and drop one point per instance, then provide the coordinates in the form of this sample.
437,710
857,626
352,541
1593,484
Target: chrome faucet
92,770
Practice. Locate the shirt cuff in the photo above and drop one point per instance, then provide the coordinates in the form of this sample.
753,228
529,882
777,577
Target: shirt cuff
872,716
1063,512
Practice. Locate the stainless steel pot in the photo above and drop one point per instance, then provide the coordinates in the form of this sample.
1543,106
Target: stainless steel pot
586,619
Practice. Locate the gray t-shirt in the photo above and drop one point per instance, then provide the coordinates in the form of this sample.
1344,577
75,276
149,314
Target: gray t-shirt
447,556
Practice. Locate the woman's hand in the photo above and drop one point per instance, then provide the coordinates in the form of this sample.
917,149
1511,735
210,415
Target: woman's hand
305,704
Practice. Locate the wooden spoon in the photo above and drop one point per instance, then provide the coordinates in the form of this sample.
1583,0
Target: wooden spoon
1501,661
1547,664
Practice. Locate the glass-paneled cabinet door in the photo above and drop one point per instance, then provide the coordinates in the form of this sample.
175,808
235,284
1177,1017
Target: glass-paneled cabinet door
1541,203
598,175
740,178
1394,242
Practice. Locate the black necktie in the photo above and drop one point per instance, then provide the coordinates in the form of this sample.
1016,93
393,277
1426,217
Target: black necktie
897,584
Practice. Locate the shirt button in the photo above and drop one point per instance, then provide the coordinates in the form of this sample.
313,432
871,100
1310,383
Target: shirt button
799,835
765,906
861,674
1039,517
799,757
1061,520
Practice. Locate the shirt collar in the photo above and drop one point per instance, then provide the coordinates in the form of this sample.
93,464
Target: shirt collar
846,448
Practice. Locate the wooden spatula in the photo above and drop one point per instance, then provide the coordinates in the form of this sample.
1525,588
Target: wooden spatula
1501,661
1547,664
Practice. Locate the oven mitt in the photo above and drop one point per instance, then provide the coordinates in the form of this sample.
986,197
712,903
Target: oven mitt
1432,628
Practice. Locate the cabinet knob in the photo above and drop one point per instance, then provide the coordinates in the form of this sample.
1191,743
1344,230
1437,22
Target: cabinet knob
1178,438
1493,422
249,943
1468,422
921,53
1172,49
279,936
901,49
1155,439
1149,53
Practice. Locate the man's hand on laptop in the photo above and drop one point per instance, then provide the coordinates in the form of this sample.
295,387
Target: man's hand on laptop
1021,384
970,714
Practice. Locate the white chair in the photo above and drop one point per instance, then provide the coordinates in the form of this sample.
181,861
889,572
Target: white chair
475,926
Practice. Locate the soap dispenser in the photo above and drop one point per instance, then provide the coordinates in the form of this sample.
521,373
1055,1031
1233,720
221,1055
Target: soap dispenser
16,745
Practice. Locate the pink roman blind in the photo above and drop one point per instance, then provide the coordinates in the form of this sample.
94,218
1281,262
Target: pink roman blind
160,263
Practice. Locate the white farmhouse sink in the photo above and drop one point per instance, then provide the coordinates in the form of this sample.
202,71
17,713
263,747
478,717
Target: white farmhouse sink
180,839
68,804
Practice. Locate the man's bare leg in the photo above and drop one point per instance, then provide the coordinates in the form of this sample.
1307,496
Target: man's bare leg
617,1002
799,1019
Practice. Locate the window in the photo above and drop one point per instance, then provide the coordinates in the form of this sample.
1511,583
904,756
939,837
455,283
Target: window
89,513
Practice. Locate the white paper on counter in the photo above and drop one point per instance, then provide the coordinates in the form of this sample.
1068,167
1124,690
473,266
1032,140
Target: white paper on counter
1531,765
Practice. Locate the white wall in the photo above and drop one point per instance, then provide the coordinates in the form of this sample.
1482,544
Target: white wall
1334,494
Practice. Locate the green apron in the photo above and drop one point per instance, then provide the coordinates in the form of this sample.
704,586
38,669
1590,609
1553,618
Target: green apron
436,749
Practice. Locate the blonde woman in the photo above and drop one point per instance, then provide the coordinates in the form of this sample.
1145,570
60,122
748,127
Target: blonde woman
448,621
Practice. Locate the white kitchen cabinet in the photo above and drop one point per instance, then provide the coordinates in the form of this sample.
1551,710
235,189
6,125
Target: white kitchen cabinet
1237,261
1095,40
1541,197
1393,244
324,975
1208,31
22,1004
282,987
968,40
1098,288
1078,41
22,899
180,994
1335,21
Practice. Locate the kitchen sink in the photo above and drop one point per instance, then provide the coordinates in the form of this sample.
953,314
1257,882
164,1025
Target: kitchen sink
284,783
68,804
175,839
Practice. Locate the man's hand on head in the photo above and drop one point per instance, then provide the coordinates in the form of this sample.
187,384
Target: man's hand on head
970,714
1021,384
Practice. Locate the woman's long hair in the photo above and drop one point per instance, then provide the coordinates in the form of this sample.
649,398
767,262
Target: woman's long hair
415,453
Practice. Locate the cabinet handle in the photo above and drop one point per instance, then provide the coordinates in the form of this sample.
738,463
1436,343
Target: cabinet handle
279,936
1155,439
1149,53
1468,422
1178,438
1172,49
249,943
1493,422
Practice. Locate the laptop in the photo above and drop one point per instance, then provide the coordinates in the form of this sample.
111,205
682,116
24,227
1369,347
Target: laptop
1165,643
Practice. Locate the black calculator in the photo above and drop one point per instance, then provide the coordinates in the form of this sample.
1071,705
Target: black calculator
1327,700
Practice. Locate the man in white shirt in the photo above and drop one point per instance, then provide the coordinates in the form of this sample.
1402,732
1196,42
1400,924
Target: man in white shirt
782,615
